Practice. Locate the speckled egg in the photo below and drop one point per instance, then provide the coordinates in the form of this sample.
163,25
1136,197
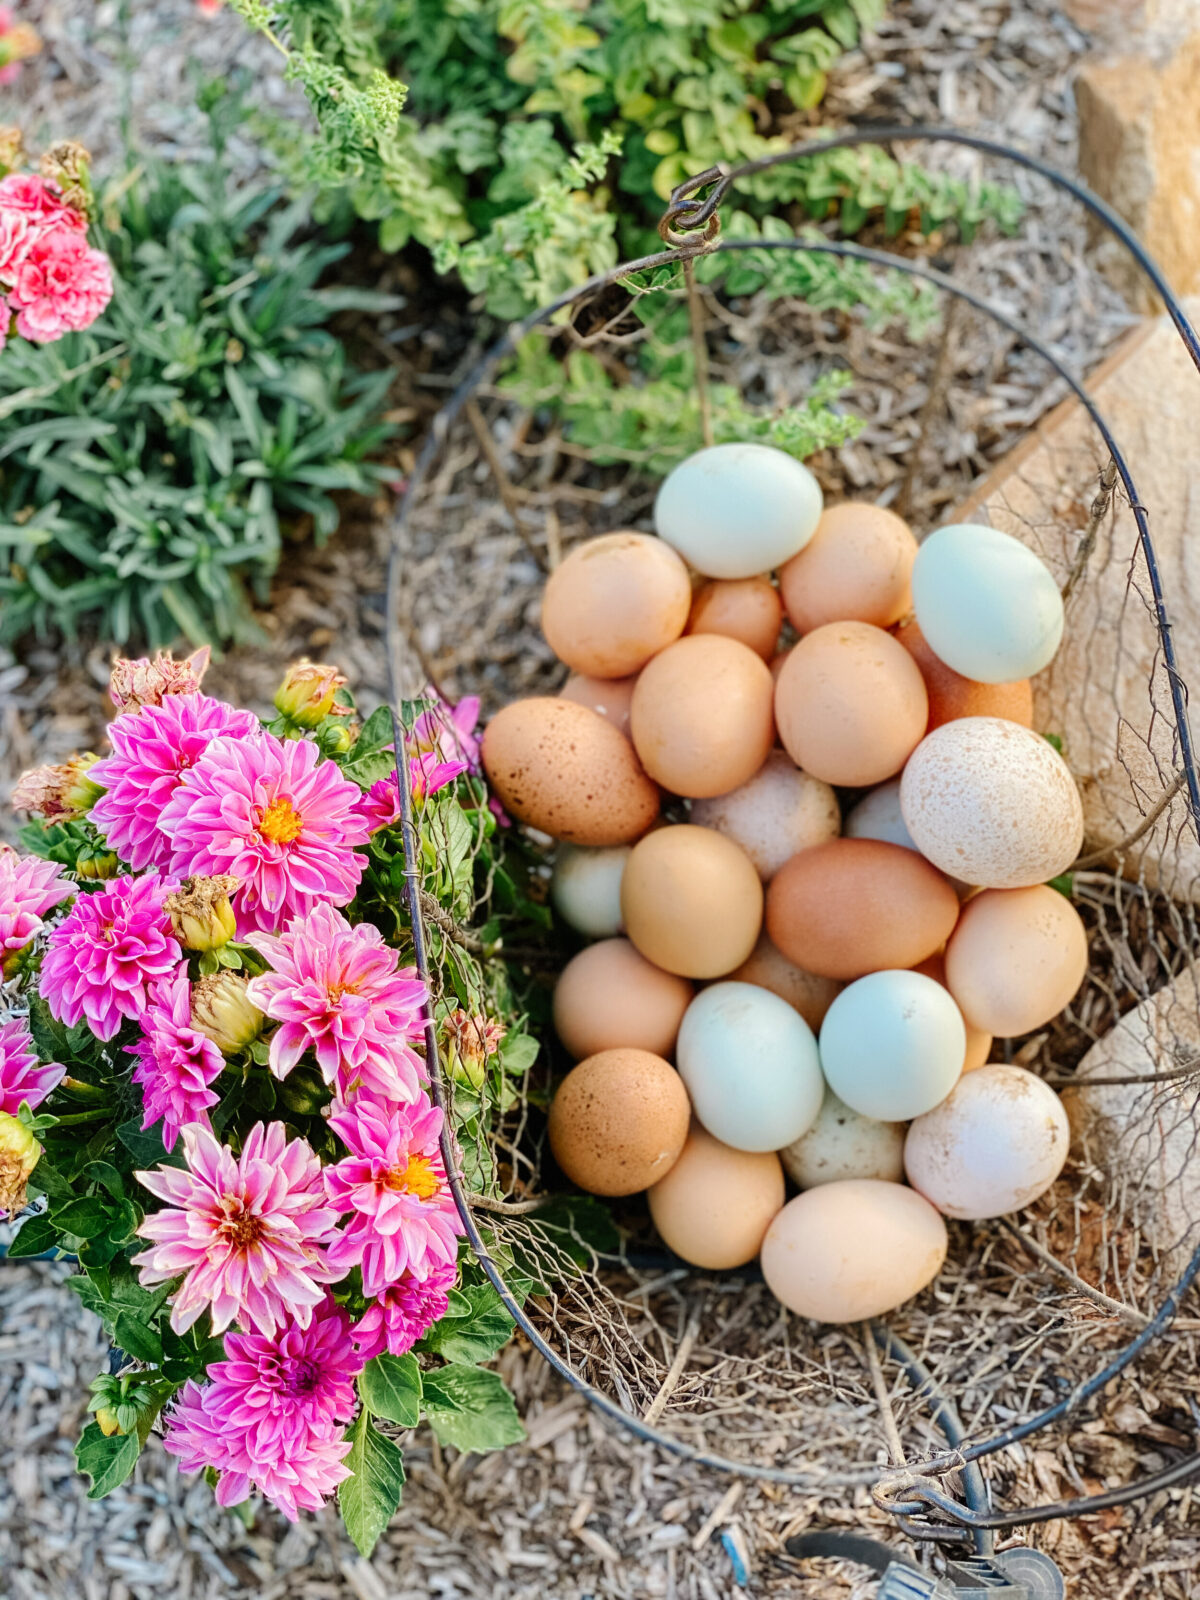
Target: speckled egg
738,510
856,566
608,997
893,1045
614,602
691,901
993,1146
805,992
619,1121
585,888
992,803
611,697
780,811
843,1144
746,609
1016,958
715,1204
952,696
878,816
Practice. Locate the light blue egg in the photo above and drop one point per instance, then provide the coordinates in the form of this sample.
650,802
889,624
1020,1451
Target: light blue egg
893,1045
751,1066
736,510
988,606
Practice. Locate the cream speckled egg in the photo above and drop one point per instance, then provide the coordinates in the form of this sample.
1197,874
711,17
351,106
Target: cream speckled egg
993,1146
715,1204
781,810
1016,958
585,887
844,1144
992,803
805,992
738,510
614,602
893,1045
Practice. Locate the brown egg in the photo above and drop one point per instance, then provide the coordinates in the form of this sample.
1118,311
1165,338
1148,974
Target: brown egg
611,697
563,769
615,602
691,901
608,996
856,567
747,609
854,906
702,720
979,1043
715,1205
1016,959
804,991
850,704
952,696
619,1121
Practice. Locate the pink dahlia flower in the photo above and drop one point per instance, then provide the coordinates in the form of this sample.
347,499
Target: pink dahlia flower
28,889
39,201
393,1186
405,1313
142,682
428,773
339,991
380,804
152,749
248,1233
275,817
176,1062
104,958
448,731
22,1075
60,285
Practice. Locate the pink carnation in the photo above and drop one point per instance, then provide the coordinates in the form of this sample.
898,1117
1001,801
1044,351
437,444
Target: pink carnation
104,959
176,1062
22,1075
249,1233
39,201
28,889
152,749
17,233
274,816
60,285
405,1313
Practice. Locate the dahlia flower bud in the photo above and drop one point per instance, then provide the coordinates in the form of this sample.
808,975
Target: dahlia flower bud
470,1042
19,1154
107,1421
12,148
58,793
307,692
224,1013
139,683
201,914
97,865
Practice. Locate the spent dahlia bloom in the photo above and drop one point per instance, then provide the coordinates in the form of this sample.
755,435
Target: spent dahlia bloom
105,957
249,1233
393,1187
404,1313
22,1075
28,889
176,1062
339,991
60,285
152,750
19,1155
58,792
276,817
142,682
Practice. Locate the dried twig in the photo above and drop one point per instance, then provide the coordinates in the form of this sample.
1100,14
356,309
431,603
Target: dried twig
503,482
1106,1302
699,350
1099,857
1108,482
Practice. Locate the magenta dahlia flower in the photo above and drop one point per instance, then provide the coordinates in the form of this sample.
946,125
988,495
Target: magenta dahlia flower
275,817
176,1062
249,1233
394,1189
401,1315
152,749
22,1075
428,773
59,285
380,804
339,991
448,731
104,958
28,889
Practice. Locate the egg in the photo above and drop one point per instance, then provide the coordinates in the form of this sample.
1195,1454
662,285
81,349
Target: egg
979,1042
781,810
993,1146
988,607
878,816
992,803
619,1121
691,901
608,997
749,1063
738,510
715,1204
611,697
855,1249
1017,957
893,1045
805,992
614,602
585,888
856,566
561,768
850,704
746,609
843,1144
952,696
854,906
777,661
702,717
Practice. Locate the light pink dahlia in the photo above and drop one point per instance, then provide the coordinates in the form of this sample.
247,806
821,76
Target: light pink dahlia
22,1075
29,888
60,285
339,991
176,1062
152,749
275,817
249,1233
401,1315
104,958
394,1189
144,682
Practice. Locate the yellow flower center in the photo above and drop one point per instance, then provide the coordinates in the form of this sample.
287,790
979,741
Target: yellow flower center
281,822
418,1178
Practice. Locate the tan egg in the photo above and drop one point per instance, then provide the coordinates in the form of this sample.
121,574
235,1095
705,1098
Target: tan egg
746,609
619,1121
850,704
1016,959
856,567
979,1043
781,810
854,906
715,1204
952,696
608,996
615,602
691,901
702,720
611,697
804,991
561,768
853,1249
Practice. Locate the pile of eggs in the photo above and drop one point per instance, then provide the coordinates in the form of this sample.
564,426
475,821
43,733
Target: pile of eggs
799,972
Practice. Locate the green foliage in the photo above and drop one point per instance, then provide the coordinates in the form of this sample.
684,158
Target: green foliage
370,1498
470,1408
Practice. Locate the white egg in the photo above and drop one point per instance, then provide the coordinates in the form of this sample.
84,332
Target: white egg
843,1144
988,607
750,1064
780,811
586,888
993,1146
737,510
893,1045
